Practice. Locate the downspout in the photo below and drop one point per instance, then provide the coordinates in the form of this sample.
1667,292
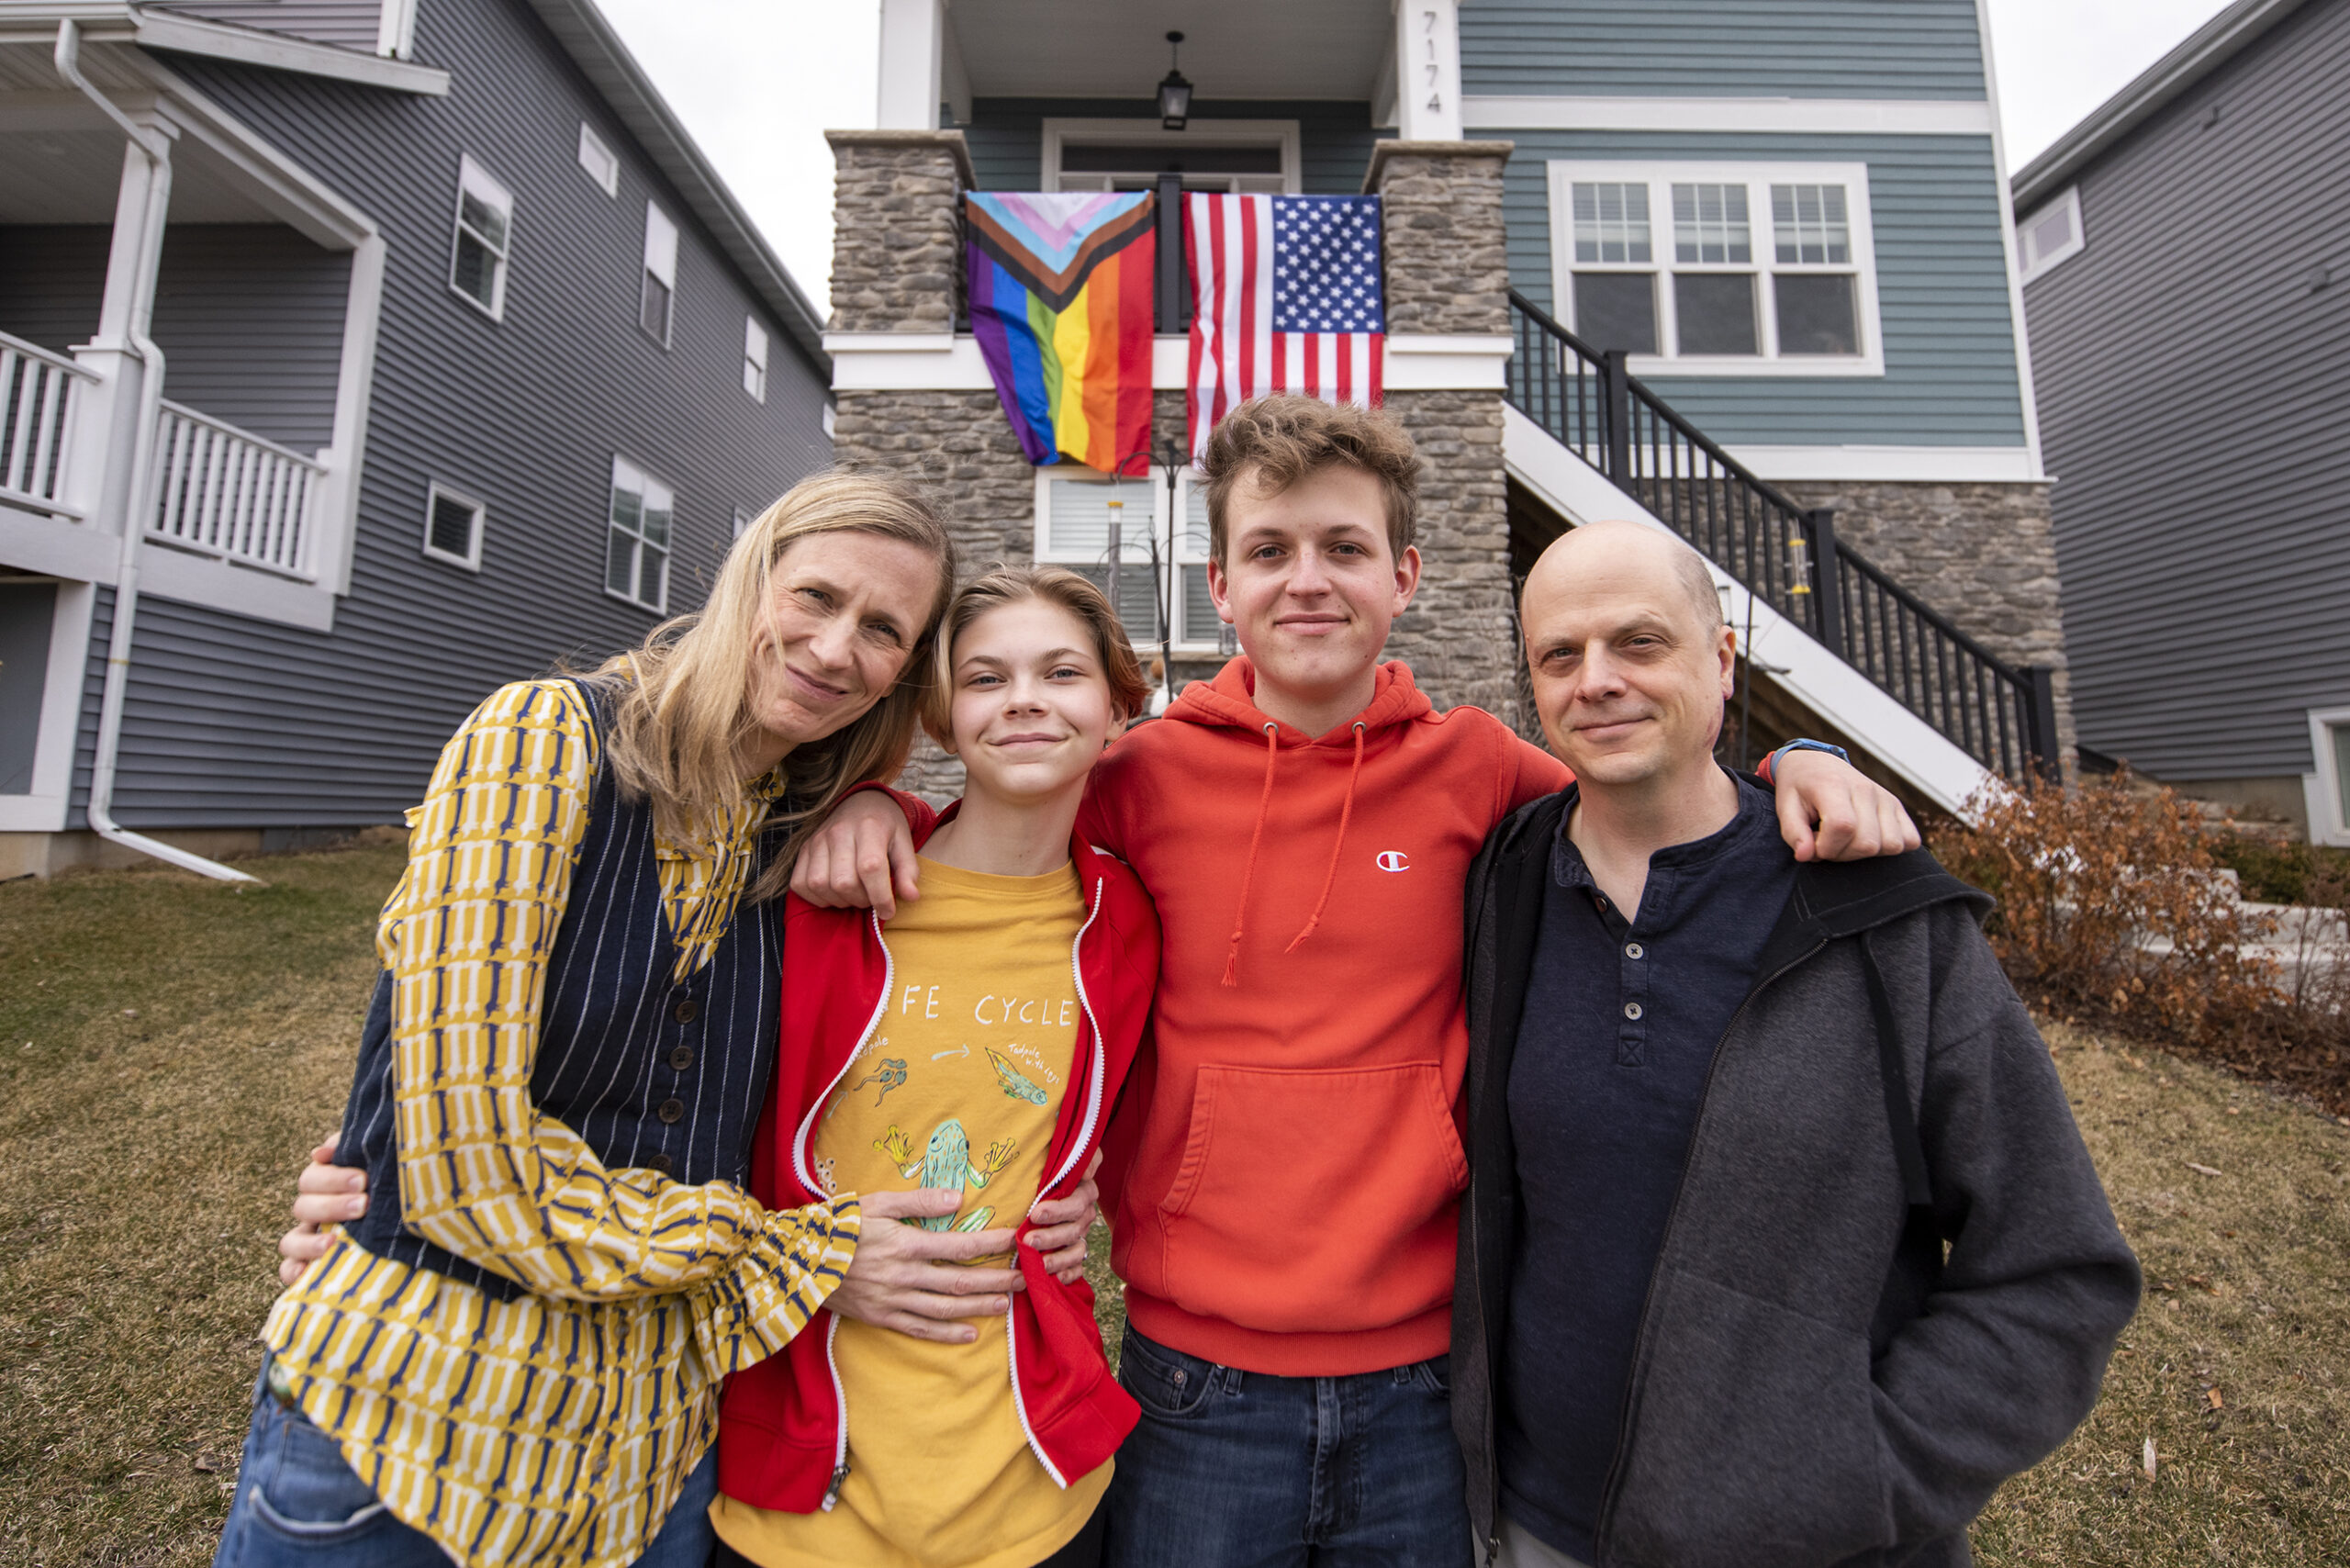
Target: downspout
142,461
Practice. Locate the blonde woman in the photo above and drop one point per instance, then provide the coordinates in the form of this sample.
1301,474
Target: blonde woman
511,1351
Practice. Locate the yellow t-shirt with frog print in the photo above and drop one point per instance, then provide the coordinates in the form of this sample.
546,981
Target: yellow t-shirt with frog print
960,1085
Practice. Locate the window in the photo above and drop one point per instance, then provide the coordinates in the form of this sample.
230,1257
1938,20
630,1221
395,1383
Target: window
485,234
660,275
2051,235
742,522
452,528
2329,792
597,160
636,564
1719,269
1076,510
755,358
1250,157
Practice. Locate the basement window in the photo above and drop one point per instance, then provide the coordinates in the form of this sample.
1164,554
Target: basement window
1719,269
484,237
1076,510
2329,792
453,527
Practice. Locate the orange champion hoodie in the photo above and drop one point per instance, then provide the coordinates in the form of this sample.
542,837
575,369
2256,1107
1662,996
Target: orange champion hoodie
1283,1174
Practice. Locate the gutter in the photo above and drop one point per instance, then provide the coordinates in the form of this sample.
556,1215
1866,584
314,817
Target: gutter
2205,49
142,461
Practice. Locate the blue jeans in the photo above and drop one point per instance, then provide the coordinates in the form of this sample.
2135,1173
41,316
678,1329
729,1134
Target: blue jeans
298,1505
1231,1468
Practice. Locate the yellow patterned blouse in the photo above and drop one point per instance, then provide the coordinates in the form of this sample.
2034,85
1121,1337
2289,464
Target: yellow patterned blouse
554,1428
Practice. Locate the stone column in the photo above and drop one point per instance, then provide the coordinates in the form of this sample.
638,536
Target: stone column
1448,274
898,267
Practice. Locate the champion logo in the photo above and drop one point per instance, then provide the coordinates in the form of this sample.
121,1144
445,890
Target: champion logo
1394,860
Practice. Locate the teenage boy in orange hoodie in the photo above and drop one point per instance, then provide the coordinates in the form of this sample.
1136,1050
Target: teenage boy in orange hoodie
1283,1172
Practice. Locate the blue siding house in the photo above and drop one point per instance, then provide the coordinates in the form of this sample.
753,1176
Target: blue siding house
1745,268
373,352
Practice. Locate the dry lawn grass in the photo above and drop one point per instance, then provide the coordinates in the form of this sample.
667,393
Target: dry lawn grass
168,1047
2238,1366
188,1042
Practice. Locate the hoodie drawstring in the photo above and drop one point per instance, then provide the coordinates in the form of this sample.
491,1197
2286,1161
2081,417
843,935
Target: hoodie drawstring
1346,810
1264,804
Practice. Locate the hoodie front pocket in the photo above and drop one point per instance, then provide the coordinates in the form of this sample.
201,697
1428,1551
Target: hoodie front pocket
1315,1200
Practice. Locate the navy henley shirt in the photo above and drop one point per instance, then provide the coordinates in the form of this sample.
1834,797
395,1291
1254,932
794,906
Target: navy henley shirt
1613,1051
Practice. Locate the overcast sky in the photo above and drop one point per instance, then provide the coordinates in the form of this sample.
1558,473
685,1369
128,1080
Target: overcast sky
757,81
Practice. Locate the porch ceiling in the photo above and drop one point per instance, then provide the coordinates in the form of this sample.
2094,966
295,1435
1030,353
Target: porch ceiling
1117,49
60,162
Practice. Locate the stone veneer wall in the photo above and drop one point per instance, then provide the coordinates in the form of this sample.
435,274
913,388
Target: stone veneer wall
1983,555
1448,271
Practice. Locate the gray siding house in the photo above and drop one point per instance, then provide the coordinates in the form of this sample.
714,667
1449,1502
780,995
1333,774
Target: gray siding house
1743,270
392,349
2188,276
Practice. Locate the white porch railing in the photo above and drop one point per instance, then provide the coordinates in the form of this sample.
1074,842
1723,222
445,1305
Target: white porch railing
227,493
36,424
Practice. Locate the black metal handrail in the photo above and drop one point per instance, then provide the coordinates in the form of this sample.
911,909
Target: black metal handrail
1784,554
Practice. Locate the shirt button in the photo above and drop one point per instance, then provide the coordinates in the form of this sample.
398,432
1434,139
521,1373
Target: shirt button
1631,1010
1634,950
687,1011
661,1164
682,1057
671,1110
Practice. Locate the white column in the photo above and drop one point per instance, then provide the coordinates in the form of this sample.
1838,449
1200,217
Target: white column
105,416
912,41
1427,70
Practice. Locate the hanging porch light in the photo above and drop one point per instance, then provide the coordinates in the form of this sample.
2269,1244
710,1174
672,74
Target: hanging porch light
1174,92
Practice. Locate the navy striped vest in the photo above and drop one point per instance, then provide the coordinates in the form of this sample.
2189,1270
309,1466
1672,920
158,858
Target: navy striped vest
650,1072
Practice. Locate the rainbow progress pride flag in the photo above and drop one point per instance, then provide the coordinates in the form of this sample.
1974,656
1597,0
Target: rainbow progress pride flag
1060,301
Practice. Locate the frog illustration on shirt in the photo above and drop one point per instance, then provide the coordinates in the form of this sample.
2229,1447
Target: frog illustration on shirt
946,1162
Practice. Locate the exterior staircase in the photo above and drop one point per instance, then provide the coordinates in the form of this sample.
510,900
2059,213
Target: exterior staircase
1834,632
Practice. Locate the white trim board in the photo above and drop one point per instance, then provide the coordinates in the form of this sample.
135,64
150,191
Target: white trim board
1828,116
1830,688
1892,464
940,362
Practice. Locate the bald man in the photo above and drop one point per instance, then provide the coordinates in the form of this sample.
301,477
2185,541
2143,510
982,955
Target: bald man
1781,1248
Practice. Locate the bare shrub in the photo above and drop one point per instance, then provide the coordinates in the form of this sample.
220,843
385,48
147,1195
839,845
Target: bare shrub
2113,908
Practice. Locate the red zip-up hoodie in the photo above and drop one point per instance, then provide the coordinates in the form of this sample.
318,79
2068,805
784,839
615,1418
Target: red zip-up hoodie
782,1433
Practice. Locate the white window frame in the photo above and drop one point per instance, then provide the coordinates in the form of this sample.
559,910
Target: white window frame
743,519
661,264
1146,496
484,186
1758,177
754,359
598,161
2328,822
395,29
627,474
1199,134
2030,264
434,494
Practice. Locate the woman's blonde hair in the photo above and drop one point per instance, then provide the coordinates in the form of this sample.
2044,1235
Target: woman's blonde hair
1002,585
682,707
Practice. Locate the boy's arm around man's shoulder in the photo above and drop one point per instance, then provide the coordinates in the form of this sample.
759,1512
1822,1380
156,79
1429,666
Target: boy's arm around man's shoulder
2006,1357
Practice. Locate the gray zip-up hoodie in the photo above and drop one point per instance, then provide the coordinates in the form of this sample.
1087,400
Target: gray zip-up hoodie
1891,1278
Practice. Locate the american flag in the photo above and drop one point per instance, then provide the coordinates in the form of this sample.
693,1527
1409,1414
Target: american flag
1285,297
